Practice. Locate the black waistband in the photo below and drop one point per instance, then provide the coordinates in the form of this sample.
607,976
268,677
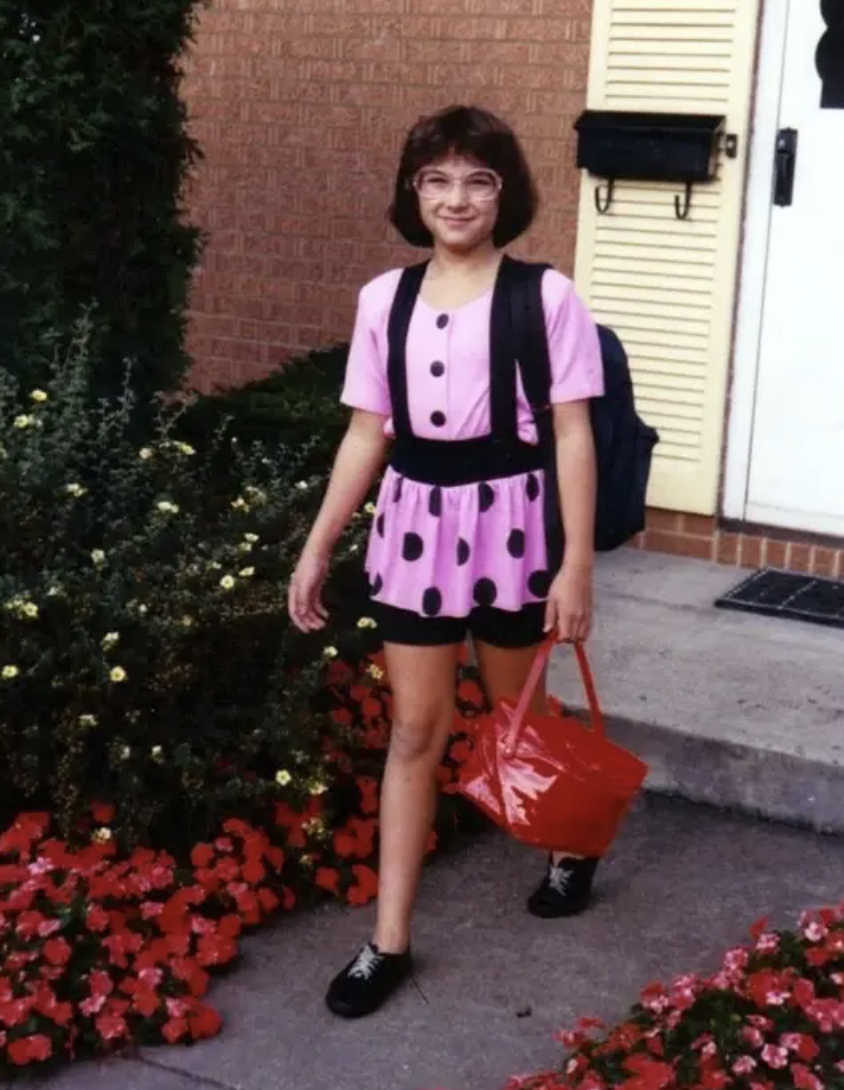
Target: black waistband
463,461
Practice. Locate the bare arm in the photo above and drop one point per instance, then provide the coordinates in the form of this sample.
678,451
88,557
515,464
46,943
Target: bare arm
570,599
577,474
359,459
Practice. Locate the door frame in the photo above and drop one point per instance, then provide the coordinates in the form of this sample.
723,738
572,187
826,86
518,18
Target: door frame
758,213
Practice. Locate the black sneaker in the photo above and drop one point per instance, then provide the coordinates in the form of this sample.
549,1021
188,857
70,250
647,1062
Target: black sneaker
367,982
566,889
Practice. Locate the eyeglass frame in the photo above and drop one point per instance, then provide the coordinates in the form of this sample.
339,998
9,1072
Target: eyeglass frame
414,183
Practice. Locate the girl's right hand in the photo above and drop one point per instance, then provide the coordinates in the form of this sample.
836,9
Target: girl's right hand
304,600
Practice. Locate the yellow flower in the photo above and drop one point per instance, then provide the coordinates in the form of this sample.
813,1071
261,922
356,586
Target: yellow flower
367,622
187,621
330,653
227,582
250,537
23,421
283,777
318,788
240,504
102,835
125,753
167,508
142,609
98,556
110,639
245,547
315,827
157,753
38,395
185,448
370,509
75,489
87,720
145,454
375,672
118,674
302,486
54,592
30,610
9,672
246,572
214,565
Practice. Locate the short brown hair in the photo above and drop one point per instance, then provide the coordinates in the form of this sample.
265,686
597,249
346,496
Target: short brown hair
478,134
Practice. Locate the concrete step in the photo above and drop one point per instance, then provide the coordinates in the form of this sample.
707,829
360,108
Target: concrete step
738,711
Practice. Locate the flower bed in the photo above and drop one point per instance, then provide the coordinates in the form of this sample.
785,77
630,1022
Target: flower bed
100,949
772,1016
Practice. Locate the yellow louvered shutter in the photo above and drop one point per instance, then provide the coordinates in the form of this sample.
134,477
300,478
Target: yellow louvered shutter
668,286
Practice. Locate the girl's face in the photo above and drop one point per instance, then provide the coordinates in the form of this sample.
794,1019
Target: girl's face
458,202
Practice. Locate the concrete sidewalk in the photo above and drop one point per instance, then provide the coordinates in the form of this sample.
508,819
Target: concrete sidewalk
494,985
732,709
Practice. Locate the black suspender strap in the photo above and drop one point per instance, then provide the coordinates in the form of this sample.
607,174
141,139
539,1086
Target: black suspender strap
503,407
399,323
531,338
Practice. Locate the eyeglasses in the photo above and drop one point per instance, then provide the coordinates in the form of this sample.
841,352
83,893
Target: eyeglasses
480,187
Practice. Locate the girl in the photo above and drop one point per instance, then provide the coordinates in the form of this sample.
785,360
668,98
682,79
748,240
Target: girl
458,546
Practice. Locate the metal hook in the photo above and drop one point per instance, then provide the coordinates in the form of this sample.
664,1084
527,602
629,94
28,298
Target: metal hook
603,204
682,211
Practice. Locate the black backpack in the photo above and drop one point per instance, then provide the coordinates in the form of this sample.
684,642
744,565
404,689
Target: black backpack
624,443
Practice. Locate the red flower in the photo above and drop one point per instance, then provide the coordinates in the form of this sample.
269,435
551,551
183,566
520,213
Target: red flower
215,950
804,1079
368,788
652,1073
147,1003
97,919
268,901
103,813
802,1046
775,1056
57,952
327,878
27,1050
202,855
366,886
204,1022
174,1030
254,872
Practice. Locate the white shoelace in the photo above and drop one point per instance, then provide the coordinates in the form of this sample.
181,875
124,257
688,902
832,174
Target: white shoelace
559,878
366,963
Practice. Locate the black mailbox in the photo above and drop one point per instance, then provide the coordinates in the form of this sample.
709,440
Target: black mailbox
645,147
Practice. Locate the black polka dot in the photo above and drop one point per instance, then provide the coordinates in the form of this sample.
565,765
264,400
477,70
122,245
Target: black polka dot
485,592
432,602
377,584
516,544
435,502
438,369
397,490
438,419
412,546
533,487
442,321
486,496
379,524
539,583
463,552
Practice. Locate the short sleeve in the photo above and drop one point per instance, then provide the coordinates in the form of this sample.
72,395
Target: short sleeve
366,386
577,372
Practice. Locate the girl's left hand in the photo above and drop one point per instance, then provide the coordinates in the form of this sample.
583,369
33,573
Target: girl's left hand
569,608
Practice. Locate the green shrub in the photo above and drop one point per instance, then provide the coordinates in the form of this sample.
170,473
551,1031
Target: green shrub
93,160
147,658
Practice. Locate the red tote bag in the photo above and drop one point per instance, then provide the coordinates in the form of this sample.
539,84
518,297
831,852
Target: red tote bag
550,780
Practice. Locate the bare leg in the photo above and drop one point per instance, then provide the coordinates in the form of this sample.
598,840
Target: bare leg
422,680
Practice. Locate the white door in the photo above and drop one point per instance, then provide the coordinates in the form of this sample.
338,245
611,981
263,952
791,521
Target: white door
797,455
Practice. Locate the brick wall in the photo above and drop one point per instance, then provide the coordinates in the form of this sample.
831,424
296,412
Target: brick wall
301,107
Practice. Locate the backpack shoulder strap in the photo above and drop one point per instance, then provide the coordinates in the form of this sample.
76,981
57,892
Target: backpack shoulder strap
531,339
401,312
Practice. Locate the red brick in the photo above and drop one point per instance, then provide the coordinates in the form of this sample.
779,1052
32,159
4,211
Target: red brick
800,557
750,551
700,525
663,520
698,548
727,548
825,561
774,555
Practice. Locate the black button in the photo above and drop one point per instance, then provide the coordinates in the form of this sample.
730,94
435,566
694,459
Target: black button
442,321
438,419
437,369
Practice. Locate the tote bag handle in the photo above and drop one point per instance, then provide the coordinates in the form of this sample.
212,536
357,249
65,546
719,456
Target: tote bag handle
596,716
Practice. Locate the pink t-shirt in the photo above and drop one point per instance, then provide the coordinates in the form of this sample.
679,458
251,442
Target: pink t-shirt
448,359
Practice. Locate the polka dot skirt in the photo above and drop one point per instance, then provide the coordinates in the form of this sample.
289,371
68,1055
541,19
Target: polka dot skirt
441,552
